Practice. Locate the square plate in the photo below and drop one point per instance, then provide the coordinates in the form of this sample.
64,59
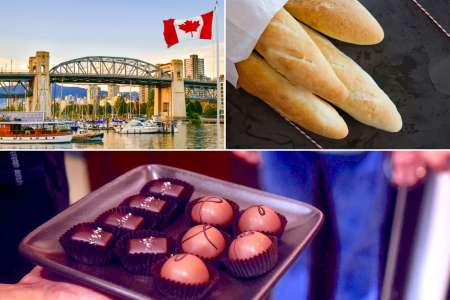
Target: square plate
42,247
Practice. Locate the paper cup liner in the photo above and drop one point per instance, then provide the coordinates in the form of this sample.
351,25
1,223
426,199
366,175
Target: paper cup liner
228,227
159,219
149,223
214,260
255,266
182,199
278,233
84,252
140,263
175,290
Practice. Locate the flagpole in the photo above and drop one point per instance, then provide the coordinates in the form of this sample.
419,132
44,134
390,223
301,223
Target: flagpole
218,91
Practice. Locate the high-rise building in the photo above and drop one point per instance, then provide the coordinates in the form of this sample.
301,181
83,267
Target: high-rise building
194,68
144,91
93,94
113,90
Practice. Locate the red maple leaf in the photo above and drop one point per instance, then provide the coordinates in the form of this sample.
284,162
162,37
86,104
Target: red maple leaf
190,26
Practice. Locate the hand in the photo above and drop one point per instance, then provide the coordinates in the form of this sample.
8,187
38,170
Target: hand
250,157
409,167
37,286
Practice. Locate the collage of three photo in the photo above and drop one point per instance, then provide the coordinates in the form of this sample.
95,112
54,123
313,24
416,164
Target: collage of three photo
225,149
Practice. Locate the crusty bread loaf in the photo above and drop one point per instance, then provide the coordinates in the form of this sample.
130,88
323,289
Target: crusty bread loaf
289,50
367,103
293,102
345,20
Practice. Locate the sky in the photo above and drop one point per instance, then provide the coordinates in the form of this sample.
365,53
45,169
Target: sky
71,29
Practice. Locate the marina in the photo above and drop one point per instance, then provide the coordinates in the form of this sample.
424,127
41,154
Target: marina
188,136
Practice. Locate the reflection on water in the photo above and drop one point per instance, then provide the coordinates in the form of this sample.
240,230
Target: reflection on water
189,136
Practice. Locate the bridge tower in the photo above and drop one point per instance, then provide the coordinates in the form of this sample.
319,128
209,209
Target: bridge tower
178,106
40,101
170,101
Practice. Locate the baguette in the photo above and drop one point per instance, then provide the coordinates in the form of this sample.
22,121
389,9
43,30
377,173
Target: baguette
344,20
293,102
289,50
367,103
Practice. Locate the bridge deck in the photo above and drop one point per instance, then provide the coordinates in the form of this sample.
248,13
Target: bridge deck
105,79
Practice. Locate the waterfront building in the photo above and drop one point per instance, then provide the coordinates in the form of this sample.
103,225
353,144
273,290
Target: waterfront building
194,68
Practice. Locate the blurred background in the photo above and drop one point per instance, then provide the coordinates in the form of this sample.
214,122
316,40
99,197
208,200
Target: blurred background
379,239
421,270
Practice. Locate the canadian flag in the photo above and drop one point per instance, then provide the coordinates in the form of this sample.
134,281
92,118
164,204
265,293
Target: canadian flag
200,27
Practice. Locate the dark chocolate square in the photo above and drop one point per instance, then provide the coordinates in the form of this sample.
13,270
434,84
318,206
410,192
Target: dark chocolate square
167,188
124,220
148,203
153,245
94,236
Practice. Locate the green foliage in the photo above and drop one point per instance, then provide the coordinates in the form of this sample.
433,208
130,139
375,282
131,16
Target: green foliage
197,107
210,111
194,110
120,107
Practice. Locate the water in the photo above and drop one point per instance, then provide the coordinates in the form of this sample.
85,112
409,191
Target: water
189,136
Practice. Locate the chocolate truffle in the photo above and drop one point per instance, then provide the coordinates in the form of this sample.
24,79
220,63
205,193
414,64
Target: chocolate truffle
124,220
93,236
150,203
259,218
204,241
185,269
248,244
212,210
151,244
166,187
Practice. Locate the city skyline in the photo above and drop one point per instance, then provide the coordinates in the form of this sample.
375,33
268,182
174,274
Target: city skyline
89,32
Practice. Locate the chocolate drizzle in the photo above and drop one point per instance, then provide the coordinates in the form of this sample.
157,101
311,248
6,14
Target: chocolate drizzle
244,234
205,228
261,210
180,257
208,199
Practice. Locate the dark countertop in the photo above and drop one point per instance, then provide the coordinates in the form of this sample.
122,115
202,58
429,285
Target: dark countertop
412,65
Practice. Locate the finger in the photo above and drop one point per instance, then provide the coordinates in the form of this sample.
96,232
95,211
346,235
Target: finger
408,168
66,290
33,276
437,161
250,157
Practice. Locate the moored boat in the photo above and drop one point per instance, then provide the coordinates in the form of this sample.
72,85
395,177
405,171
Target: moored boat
84,136
19,132
138,127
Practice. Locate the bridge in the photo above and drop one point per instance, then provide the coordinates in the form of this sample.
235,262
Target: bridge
170,88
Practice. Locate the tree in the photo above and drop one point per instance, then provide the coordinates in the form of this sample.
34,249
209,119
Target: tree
210,111
56,109
197,107
120,107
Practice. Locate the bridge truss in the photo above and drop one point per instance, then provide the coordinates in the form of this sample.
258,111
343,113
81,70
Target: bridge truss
109,66
105,70
15,89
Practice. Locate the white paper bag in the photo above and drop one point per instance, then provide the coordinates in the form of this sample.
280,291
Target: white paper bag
246,21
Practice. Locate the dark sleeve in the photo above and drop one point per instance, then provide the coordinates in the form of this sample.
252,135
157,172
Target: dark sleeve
33,188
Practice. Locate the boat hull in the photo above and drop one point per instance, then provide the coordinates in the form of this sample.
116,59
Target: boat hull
51,139
88,138
138,130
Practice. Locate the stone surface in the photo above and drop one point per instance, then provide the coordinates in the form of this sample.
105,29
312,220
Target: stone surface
412,65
